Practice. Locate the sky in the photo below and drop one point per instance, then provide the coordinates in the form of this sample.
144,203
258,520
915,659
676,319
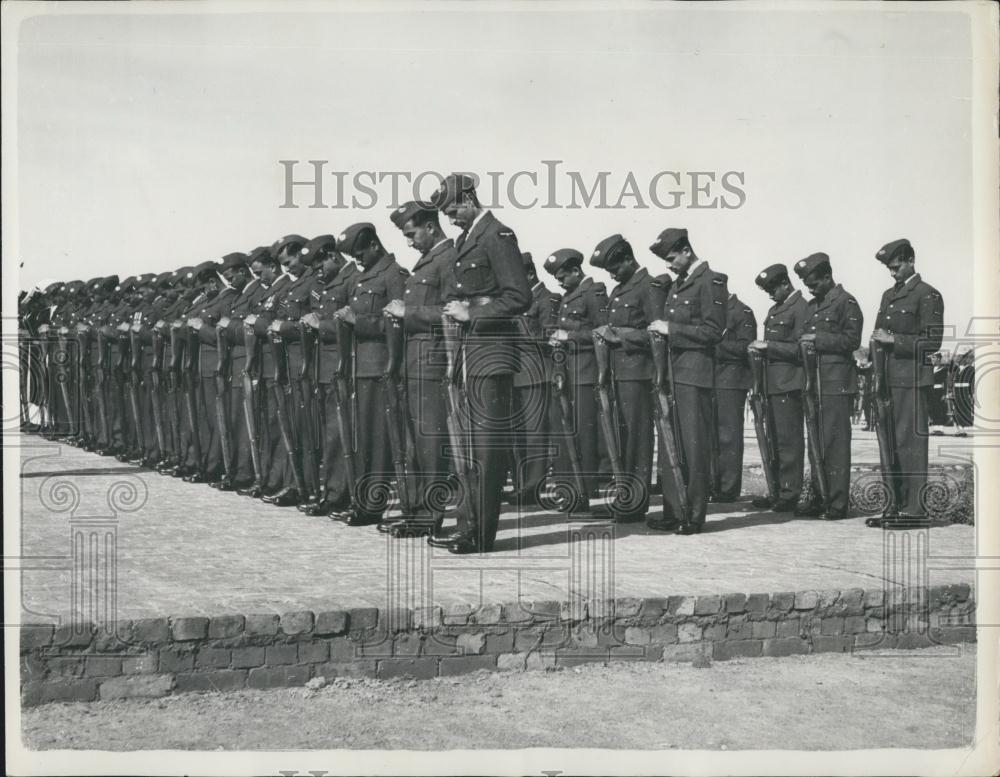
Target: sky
148,141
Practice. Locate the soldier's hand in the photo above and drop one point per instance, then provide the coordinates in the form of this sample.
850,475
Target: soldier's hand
758,345
457,310
122,327
608,334
195,323
809,338
346,314
250,320
276,325
559,336
224,322
396,308
660,327
881,336
311,320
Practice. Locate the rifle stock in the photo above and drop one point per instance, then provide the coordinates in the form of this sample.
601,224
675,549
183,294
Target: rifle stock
222,379
460,438
885,427
101,387
397,418
190,389
763,421
282,400
813,405
607,405
665,410
343,390
566,416
251,400
307,408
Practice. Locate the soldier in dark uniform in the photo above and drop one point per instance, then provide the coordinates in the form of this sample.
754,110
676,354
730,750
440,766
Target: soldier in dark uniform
421,310
783,326
381,279
486,291
693,318
732,382
533,406
834,325
910,322
634,303
582,309
335,278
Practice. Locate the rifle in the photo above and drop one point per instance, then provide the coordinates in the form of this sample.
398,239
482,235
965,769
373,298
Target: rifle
135,377
282,401
156,392
307,408
222,379
83,338
458,403
396,417
67,370
190,399
175,381
665,411
251,401
101,387
885,426
763,421
812,394
581,502
342,389
608,405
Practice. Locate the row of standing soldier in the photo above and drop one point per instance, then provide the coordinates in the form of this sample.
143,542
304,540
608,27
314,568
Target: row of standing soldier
294,375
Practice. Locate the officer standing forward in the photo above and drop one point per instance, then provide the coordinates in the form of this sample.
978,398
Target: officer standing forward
910,324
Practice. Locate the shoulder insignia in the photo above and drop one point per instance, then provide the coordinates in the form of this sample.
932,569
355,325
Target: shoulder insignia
404,272
505,233
656,283
719,281
717,301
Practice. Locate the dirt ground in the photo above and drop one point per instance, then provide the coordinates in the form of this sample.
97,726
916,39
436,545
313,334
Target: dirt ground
919,699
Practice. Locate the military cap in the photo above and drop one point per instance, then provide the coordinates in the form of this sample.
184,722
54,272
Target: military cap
897,248
53,287
183,272
283,243
610,251
317,246
354,236
668,240
452,188
260,254
233,260
126,284
409,210
564,257
164,279
812,263
205,268
110,283
770,276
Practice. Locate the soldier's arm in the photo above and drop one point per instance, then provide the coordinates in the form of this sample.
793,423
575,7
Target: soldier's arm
514,296
743,332
788,351
423,318
581,332
848,339
930,311
370,325
713,295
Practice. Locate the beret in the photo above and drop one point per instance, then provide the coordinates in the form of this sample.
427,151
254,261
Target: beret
408,210
235,259
53,287
183,272
294,241
164,279
667,240
811,263
451,187
205,268
890,251
352,237
318,245
126,285
610,251
526,259
769,276
260,254
109,283
563,258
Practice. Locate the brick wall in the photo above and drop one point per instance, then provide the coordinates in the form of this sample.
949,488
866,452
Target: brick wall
160,656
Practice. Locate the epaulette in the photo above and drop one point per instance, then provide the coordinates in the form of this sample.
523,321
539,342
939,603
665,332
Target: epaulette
505,233
719,281
657,282
404,272
599,286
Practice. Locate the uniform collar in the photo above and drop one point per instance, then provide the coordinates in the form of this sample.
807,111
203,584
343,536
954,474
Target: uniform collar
696,269
378,267
585,284
639,275
790,300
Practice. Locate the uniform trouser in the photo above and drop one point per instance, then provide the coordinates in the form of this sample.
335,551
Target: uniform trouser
585,428
786,410
635,404
694,429
333,470
731,409
530,454
429,421
147,398
240,436
211,445
836,432
373,460
115,385
910,410
490,405
204,431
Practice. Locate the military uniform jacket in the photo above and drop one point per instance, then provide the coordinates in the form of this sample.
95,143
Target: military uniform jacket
266,311
489,275
326,301
914,314
210,313
632,306
580,312
836,320
784,324
696,311
370,293
424,298
732,364
535,366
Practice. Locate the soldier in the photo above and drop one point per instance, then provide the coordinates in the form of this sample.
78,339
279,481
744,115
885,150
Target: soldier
635,302
381,279
834,328
487,290
335,278
421,311
910,324
783,326
693,319
533,406
732,382
582,309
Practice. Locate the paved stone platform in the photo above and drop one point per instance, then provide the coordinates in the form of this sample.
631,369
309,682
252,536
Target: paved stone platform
106,539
